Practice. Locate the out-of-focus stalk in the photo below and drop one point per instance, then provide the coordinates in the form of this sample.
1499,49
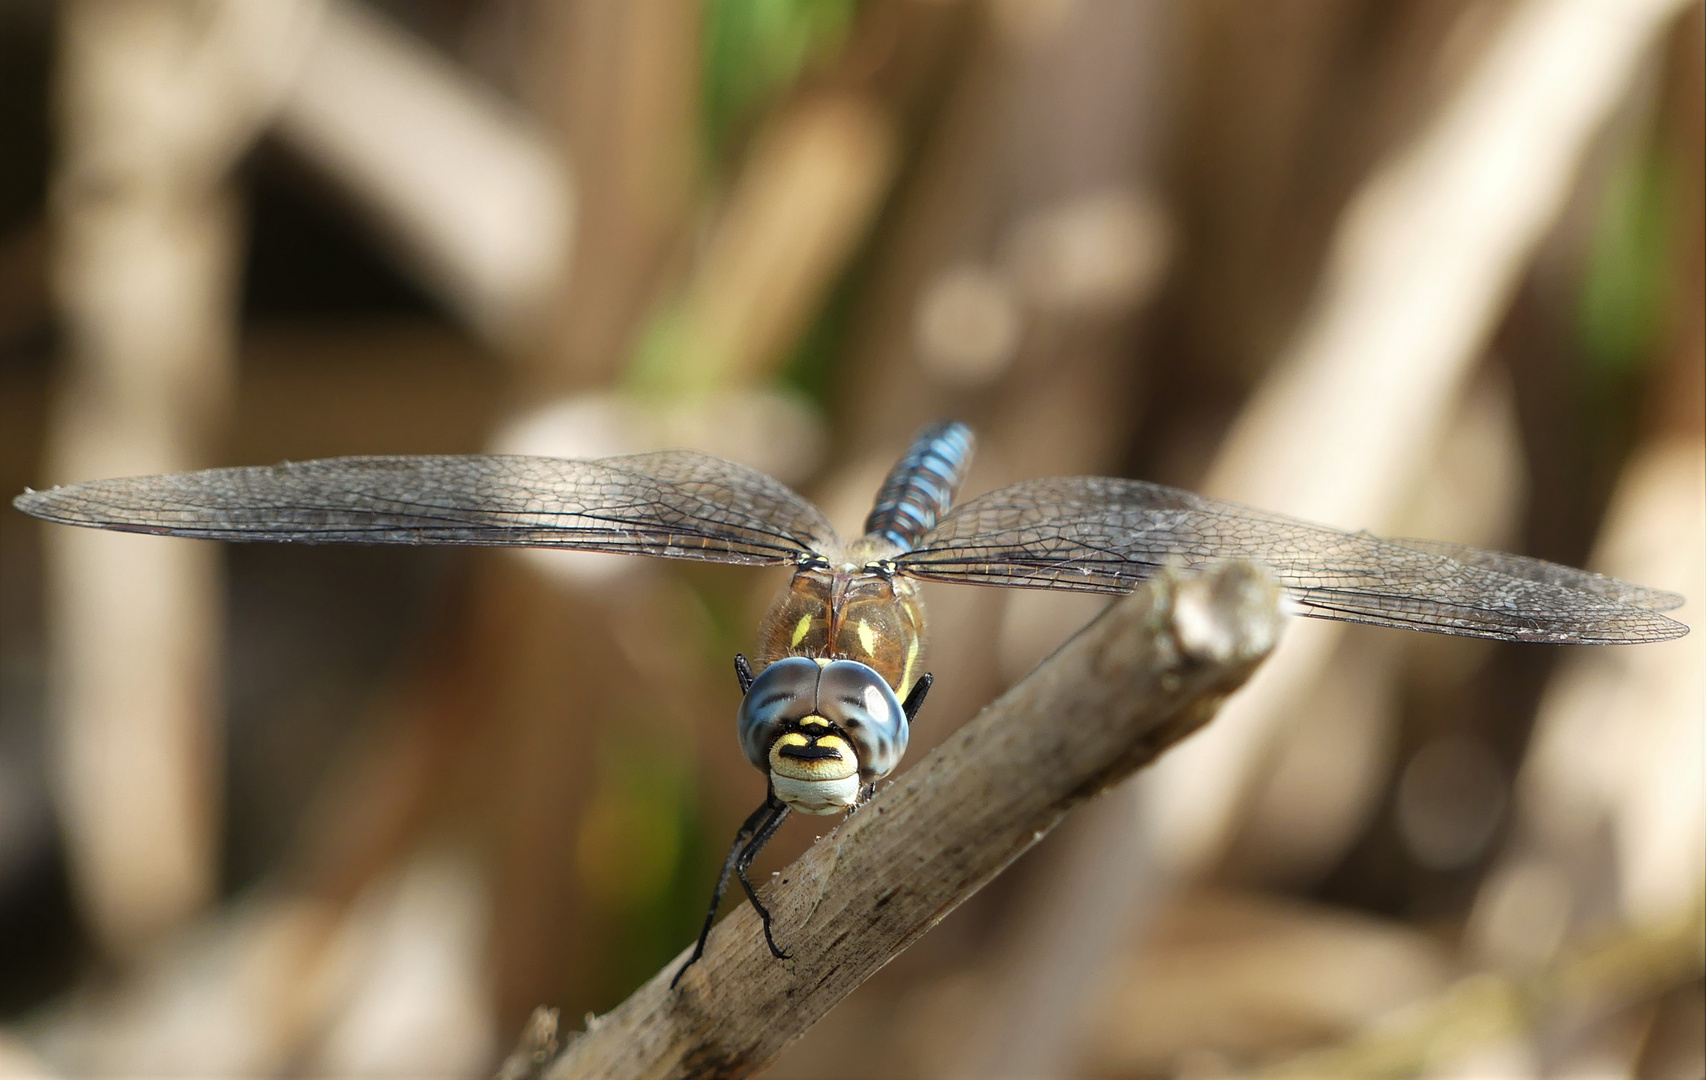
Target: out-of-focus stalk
156,102
1424,261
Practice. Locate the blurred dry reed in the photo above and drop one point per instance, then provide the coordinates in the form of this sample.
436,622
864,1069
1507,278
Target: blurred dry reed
1432,267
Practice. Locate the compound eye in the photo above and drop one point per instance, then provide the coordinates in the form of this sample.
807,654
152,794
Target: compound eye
782,694
856,699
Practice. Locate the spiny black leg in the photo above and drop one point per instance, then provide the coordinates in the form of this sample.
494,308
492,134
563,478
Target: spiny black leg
915,697
742,837
743,672
765,832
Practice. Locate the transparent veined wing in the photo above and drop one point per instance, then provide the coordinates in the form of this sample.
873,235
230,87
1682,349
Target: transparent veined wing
677,504
1522,566
1098,534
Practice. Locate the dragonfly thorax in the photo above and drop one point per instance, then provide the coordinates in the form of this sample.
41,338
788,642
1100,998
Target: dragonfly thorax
849,610
822,718
821,729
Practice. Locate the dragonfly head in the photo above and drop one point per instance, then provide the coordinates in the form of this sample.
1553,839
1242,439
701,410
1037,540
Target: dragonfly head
821,730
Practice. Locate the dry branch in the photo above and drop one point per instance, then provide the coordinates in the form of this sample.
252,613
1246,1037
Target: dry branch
534,1050
1153,669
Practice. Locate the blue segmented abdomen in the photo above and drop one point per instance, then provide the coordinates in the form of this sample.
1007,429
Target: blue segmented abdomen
922,484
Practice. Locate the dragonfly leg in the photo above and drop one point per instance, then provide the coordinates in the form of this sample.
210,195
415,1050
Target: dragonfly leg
743,672
754,822
778,814
915,697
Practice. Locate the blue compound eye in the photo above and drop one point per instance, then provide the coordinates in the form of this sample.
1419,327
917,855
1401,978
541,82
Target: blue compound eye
848,694
856,699
782,694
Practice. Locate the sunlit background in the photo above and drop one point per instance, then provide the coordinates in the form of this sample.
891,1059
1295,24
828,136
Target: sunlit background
1427,267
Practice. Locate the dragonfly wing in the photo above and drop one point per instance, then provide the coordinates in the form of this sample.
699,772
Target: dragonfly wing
1521,566
674,503
1098,534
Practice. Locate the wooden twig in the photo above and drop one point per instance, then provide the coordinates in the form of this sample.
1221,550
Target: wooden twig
534,1050
1153,669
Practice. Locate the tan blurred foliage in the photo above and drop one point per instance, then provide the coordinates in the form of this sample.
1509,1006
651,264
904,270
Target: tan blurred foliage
1428,267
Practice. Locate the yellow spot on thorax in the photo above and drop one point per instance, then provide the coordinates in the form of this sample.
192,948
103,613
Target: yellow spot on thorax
867,639
801,629
911,663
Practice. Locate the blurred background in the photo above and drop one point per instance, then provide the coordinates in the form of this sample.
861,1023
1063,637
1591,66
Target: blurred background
1428,267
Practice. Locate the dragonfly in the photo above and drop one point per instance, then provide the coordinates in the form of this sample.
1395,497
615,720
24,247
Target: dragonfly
828,710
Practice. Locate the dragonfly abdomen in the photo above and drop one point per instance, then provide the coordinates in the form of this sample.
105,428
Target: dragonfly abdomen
921,486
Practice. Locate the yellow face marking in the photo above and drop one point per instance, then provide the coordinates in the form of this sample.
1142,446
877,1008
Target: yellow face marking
801,629
812,721
867,639
839,767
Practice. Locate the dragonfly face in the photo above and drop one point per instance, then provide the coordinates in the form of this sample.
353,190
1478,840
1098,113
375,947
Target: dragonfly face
823,730
842,647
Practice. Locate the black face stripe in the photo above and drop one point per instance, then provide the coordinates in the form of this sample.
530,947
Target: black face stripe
815,752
